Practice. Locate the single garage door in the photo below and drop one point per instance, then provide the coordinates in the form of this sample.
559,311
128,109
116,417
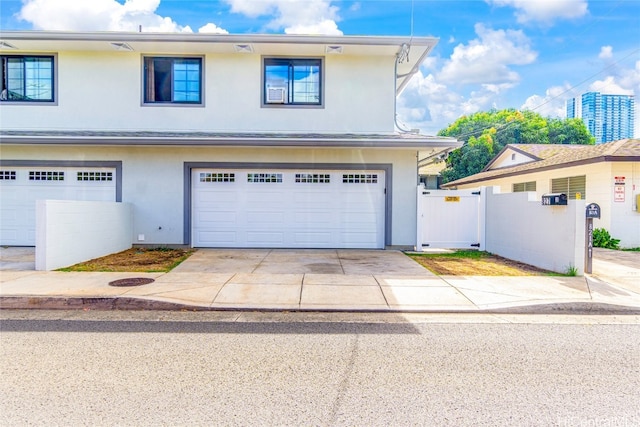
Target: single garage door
20,187
288,208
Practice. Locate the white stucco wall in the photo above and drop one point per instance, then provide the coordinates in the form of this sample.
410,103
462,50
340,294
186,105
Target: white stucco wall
69,232
153,179
519,227
103,91
621,219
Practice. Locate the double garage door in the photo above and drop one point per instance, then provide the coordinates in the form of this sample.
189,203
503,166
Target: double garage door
288,208
20,187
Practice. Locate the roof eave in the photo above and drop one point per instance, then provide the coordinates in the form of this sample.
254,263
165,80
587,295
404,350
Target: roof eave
237,141
464,181
117,36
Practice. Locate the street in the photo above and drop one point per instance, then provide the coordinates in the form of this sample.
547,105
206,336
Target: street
161,368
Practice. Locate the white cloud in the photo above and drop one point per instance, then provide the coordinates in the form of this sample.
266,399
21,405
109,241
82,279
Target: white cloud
552,103
212,29
544,11
473,79
487,58
609,85
294,17
606,52
97,15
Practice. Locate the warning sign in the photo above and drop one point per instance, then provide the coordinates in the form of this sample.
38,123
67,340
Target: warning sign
618,189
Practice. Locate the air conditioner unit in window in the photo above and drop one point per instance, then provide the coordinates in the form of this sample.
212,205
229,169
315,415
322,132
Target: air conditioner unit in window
276,95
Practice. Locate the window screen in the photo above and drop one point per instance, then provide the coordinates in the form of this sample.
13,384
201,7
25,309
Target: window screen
575,187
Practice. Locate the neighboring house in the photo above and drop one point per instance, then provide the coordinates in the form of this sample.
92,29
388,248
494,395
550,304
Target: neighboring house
215,140
607,174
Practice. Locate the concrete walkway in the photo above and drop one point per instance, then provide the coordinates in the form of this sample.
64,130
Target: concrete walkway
323,280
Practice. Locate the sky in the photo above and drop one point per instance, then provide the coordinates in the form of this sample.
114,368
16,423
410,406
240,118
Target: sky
523,54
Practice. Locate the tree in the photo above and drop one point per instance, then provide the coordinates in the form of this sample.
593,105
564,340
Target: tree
486,133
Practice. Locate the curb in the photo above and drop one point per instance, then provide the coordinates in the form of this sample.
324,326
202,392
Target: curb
124,303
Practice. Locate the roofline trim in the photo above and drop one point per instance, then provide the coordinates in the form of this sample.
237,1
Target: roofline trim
600,159
117,36
250,141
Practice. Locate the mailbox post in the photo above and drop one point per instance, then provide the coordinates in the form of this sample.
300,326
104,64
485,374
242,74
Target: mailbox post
592,211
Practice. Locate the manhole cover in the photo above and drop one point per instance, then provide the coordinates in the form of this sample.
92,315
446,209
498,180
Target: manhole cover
131,281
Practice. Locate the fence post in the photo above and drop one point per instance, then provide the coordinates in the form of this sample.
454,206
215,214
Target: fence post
419,218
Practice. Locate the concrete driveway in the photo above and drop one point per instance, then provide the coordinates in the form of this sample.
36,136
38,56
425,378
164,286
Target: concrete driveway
300,261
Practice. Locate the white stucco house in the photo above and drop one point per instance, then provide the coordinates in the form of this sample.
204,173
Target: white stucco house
606,174
241,141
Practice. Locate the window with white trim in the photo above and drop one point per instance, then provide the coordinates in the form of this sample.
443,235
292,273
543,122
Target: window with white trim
46,176
169,80
264,177
575,187
8,175
313,178
95,176
292,81
217,177
27,78
360,178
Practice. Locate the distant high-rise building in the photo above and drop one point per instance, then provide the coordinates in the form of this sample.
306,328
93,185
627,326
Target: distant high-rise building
608,117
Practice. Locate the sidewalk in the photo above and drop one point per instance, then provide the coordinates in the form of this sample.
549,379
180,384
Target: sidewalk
353,281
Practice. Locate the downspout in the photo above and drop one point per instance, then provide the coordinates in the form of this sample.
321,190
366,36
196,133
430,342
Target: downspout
402,54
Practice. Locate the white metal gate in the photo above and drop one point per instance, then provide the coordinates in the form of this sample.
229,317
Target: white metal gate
449,219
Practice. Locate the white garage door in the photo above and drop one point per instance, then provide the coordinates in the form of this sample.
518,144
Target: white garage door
288,208
20,187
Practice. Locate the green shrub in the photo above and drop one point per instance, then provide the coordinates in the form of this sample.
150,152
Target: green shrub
602,239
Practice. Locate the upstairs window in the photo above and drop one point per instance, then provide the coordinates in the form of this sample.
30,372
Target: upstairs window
172,80
27,78
292,81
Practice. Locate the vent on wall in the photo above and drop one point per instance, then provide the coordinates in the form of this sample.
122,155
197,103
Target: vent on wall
276,95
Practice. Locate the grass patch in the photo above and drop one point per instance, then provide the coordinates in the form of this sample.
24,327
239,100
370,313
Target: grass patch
140,260
631,249
475,263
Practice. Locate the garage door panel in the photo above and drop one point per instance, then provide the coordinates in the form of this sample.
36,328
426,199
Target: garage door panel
213,217
303,210
313,218
264,238
257,217
19,195
354,239
312,239
217,237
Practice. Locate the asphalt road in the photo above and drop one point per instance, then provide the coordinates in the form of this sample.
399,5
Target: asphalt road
203,369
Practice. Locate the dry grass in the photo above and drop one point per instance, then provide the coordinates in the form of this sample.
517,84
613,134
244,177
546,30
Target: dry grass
148,260
475,263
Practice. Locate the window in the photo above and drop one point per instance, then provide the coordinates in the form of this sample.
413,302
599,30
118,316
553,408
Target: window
217,177
173,80
264,177
292,81
46,176
524,186
360,178
27,79
8,175
95,176
313,178
574,187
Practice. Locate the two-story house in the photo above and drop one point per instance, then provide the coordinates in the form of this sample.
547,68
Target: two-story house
215,140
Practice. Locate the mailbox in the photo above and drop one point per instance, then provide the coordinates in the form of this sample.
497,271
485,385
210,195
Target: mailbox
554,199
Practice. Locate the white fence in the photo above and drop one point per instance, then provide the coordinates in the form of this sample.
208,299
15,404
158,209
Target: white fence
518,227
455,219
69,232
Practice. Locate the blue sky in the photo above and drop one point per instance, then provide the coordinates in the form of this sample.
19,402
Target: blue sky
492,53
